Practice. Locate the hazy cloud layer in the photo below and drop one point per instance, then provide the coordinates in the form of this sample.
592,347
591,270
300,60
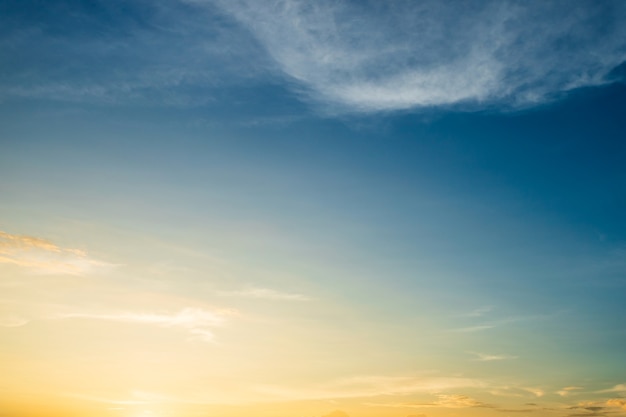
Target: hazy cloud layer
399,55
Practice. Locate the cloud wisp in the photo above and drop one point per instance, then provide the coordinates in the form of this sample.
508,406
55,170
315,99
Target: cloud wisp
368,57
486,357
197,322
264,293
370,386
442,401
45,257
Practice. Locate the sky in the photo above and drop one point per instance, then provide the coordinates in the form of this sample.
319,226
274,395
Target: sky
289,208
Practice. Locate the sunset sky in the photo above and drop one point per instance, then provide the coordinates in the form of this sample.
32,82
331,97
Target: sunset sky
288,208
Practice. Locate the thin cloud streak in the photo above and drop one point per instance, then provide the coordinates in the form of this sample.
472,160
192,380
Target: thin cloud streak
442,401
370,386
485,357
264,293
195,321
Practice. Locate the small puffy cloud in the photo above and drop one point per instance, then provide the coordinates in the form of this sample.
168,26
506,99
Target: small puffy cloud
197,322
45,257
264,293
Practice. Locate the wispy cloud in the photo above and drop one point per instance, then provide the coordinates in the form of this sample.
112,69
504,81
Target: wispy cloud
45,257
264,293
404,55
616,388
347,56
486,357
197,322
537,392
471,329
479,312
370,386
442,401
566,391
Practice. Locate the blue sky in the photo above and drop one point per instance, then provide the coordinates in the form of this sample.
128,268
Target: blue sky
438,186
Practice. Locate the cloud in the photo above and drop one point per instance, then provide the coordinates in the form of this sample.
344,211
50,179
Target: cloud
442,401
616,388
596,408
372,57
264,293
45,257
479,312
370,386
485,357
566,391
537,392
617,402
471,329
355,57
194,320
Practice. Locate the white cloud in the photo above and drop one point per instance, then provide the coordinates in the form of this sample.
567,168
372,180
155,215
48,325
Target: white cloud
369,57
196,321
616,388
471,329
537,392
264,293
485,357
566,391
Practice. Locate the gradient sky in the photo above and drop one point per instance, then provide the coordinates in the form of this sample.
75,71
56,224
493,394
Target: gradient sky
291,208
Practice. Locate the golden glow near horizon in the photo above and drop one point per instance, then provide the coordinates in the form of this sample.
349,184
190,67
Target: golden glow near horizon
114,336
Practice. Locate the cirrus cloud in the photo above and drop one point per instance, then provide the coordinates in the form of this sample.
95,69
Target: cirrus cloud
368,57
